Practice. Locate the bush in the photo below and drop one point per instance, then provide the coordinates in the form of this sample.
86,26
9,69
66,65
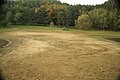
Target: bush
3,23
83,22
66,29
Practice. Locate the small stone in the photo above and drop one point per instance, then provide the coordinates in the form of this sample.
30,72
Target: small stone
12,75
24,79
102,70
21,63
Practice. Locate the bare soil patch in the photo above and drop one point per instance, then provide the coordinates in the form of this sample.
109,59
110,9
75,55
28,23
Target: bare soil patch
59,56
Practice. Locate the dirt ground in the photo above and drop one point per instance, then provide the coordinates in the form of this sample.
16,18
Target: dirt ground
58,56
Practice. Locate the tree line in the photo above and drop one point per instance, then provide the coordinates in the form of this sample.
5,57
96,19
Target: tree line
45,12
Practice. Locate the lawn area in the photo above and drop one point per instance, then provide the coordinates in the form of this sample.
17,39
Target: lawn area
102,35
93,33
51,53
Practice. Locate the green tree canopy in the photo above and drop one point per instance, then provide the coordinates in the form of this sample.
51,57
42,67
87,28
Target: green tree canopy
99,18
84,22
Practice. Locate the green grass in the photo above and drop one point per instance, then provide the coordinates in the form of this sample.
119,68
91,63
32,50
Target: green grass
114,39
109,35
98,34
29,28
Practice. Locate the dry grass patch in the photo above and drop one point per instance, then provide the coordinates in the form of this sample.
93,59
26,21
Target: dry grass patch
59,56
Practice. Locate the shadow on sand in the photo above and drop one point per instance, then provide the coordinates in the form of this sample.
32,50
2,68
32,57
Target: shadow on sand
1,76
118,78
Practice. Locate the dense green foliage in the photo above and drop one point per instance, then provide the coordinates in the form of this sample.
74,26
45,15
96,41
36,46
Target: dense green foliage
44,12
84,22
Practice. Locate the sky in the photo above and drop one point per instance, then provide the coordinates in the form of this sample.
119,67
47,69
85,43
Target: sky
84,2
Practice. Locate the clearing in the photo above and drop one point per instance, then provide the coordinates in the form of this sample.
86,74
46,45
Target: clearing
42,53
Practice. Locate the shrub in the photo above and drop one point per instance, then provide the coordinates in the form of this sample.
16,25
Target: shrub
83,22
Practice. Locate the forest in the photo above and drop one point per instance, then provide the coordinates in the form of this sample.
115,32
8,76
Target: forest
105,16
